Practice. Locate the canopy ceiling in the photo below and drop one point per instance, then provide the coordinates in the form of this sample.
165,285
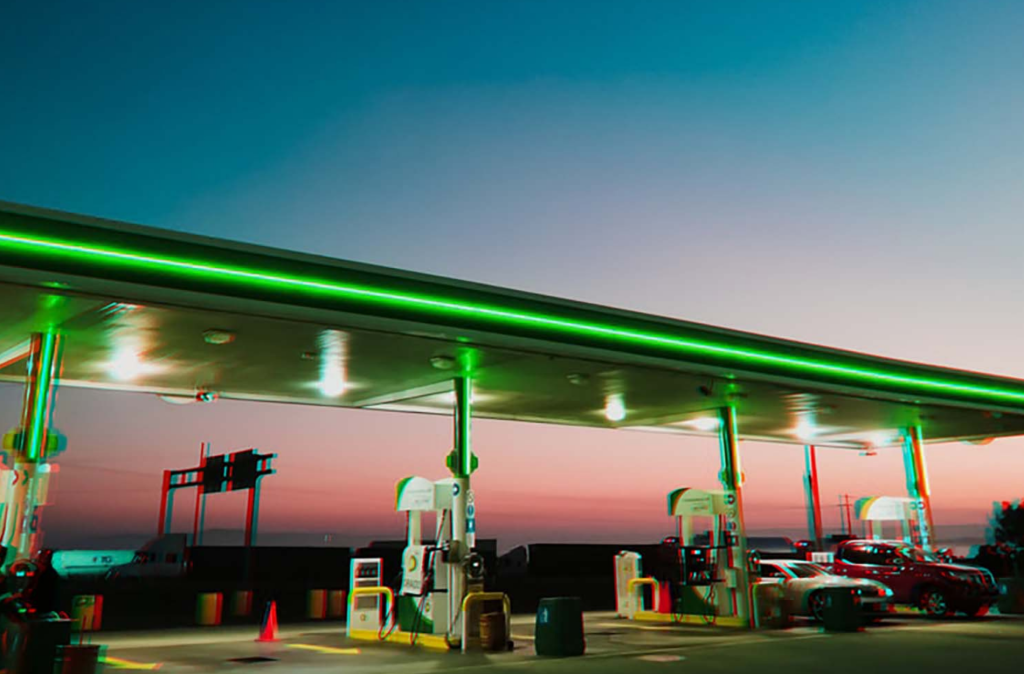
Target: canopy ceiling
155,311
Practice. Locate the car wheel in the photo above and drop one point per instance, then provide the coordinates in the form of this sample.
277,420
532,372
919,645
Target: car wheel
935,603
816,605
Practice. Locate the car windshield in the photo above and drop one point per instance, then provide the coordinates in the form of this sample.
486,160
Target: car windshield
917,555
806,570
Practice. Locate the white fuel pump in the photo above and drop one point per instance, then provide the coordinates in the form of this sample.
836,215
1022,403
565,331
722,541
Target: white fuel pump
437,573
628,568
694,578
875,512
711,570
441,595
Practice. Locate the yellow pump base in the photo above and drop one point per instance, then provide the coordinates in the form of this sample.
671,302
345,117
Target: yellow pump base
432,641
689,619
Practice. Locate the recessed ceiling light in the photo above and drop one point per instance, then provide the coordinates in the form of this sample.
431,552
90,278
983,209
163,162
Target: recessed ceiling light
218,337
333,363
805,430
882,439
703,423
614,407
126,366
442,362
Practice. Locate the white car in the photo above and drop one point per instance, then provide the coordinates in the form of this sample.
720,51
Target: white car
803,583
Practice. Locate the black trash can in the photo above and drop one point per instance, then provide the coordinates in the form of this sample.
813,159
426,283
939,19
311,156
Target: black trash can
1011,596
39,641
78,659
559,631
842,611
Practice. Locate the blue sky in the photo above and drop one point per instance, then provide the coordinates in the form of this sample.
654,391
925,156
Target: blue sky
843,172
543,145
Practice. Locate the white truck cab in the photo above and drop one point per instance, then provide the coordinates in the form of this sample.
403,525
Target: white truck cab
164,557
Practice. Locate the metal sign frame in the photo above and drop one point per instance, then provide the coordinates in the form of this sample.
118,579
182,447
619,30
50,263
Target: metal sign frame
230,479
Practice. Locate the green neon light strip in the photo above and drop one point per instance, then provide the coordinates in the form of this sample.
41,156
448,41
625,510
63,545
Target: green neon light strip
36,431
498,315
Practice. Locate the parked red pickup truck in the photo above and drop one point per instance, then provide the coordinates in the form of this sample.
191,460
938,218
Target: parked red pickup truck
918,578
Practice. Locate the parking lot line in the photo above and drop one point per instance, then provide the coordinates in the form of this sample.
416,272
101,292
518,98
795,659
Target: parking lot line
325,649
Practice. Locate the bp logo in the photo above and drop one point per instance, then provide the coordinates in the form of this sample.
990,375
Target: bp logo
412,563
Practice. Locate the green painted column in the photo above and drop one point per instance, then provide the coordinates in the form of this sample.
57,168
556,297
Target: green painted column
917,484
462,460
28,447
732,481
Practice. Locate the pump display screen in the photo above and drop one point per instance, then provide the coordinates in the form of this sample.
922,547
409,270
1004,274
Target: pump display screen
697,566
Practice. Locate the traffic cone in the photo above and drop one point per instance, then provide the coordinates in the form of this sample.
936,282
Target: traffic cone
268,628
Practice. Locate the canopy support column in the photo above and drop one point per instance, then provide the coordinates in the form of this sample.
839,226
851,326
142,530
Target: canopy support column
461,463
813,497
28,448
917,484
732,481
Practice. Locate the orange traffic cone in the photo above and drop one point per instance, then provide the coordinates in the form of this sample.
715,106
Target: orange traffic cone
268,628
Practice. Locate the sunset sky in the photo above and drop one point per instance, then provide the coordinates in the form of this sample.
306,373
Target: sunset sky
842,173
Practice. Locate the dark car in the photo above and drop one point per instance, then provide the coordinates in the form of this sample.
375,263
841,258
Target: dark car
918,578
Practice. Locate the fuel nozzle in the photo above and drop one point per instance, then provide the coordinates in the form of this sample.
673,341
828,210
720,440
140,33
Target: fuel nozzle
474,567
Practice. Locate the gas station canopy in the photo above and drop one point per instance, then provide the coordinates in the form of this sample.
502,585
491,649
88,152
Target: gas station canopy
188,317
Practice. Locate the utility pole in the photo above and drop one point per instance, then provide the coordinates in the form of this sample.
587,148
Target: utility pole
845,514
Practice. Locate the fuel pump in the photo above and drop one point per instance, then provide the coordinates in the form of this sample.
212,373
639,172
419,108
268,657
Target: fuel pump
875,512
696,576
712,568
437,573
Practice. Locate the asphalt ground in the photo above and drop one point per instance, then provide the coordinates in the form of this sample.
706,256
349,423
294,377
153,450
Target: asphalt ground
906,643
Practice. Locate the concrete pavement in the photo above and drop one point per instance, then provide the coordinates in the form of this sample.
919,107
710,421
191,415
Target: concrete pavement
908,643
